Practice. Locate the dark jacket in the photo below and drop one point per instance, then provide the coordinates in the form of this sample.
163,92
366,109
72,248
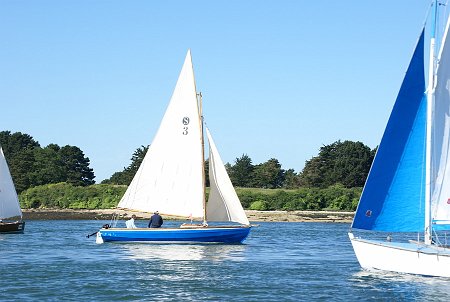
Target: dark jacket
156,221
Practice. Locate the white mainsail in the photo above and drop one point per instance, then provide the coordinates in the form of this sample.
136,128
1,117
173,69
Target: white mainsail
223,202
9,202
169,179
440,163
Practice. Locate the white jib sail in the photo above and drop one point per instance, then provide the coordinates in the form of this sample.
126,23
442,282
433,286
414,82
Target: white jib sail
440,209
223,202
9,202
169,179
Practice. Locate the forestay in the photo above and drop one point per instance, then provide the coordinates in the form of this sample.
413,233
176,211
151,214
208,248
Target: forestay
9,202
223,202
169,179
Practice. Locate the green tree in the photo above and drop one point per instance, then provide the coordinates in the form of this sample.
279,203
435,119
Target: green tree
291,179
345,162
78,172
241,172
126,175
16,142
352,164
268,175
31,165
21,168
48,166
19,152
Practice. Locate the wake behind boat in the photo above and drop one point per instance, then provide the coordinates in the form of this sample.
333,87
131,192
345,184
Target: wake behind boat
171,179
10,212
408,187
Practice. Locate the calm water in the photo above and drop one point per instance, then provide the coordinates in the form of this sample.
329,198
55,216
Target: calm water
54,261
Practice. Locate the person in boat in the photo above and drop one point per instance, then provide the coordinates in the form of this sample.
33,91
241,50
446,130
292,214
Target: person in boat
130,223
156,221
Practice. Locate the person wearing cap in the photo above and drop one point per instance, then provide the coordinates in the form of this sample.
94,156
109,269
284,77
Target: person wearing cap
130,223
156,221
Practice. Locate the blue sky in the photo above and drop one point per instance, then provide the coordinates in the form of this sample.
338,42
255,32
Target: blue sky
279,78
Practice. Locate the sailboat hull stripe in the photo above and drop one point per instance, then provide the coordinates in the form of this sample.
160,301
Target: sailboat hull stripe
219,234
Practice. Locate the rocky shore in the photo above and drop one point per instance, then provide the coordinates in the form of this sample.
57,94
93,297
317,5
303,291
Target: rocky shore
253,216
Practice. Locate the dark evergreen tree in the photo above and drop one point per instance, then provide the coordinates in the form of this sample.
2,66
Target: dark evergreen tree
345,162
268,175
19,152
291,180
48,166
21,167
77,171
16,142
241,172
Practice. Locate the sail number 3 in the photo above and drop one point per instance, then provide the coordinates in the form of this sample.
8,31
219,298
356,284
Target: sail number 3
185,123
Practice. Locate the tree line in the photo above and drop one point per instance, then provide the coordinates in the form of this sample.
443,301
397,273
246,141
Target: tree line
54,176
32,165
346,163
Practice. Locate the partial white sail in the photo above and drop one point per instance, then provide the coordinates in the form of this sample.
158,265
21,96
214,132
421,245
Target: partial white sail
169,179
440,209
9,202
223,203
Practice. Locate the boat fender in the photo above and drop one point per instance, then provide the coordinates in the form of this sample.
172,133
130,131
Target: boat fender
99,239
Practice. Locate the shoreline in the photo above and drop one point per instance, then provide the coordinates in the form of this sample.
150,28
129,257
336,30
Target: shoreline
253,216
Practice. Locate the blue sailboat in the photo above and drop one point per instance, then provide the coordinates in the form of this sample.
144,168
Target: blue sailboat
408,187
171,179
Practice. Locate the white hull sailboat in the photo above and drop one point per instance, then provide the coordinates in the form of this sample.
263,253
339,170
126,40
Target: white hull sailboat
10,212
171,179
408,187
410,257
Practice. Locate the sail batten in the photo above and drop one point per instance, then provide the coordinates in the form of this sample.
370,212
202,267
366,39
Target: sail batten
393,196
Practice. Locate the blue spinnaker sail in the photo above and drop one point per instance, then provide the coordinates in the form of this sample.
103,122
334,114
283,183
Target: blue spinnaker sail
393,198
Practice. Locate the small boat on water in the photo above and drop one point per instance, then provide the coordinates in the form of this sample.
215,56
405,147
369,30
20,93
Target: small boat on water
10,212
171,179
408,187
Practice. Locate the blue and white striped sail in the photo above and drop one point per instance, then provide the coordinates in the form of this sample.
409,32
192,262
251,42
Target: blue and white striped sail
393,198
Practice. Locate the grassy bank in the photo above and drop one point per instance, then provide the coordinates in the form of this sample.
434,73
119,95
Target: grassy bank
105,196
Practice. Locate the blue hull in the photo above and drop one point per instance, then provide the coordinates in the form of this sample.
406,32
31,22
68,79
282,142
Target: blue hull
204,234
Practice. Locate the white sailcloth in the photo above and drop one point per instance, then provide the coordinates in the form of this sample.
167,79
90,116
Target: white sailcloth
440,162
9,202
169,179
223,203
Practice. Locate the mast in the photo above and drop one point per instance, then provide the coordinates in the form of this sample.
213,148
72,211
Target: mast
199,95
430,98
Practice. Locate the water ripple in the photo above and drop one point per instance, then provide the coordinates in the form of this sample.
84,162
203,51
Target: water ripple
53,261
